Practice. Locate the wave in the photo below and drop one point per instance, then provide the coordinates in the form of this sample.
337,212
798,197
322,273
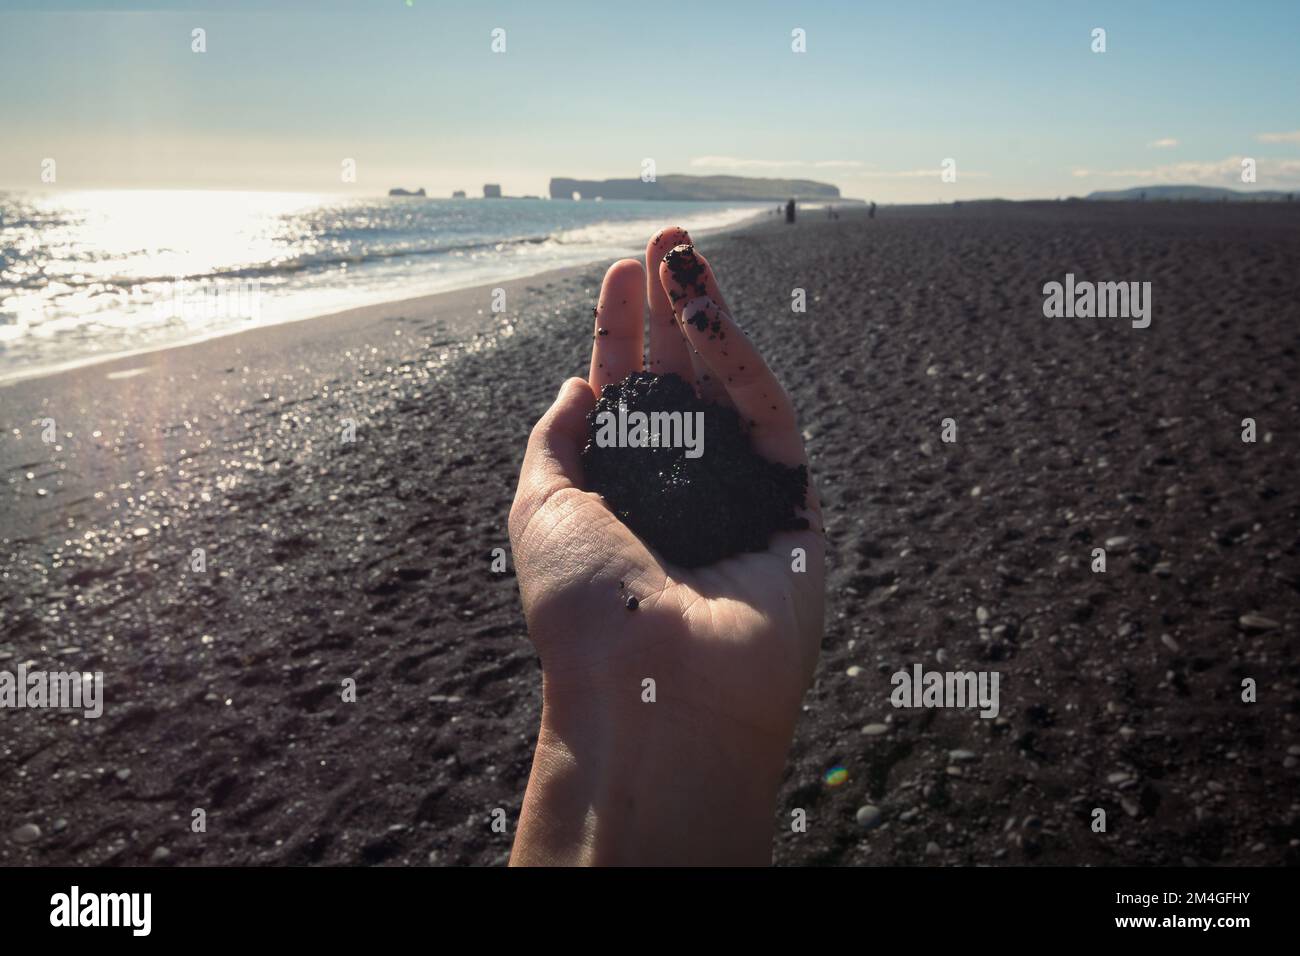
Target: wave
100,274
263,270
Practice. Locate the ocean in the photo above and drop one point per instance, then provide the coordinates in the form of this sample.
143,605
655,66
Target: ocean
90,275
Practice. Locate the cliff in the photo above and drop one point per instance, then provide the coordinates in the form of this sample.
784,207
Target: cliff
1195,193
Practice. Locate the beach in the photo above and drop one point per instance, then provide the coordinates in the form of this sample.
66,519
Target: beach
326,561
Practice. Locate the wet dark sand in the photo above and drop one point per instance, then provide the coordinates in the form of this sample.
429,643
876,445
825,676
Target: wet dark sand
371,560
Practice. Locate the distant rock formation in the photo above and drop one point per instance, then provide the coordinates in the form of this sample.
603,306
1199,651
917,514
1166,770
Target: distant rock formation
458,194
717,188
406,192
491,191
1197,193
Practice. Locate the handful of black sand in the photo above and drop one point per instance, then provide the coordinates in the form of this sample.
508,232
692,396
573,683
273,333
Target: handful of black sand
693,510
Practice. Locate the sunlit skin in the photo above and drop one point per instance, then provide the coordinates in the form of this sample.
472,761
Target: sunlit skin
693,776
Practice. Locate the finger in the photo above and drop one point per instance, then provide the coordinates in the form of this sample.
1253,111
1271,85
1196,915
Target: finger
553,460
738,367
618,342
735,365
685,275
696,277
759,398
669,351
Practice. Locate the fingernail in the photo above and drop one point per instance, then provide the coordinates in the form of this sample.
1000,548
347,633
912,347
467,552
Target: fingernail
671,230
686,268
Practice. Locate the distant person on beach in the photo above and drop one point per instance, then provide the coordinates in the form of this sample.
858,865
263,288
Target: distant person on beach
789,211
692,777
871,213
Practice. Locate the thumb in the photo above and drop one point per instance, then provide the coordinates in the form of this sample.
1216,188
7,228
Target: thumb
553,460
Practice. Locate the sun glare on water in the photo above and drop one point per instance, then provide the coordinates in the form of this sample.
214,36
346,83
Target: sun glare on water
168,234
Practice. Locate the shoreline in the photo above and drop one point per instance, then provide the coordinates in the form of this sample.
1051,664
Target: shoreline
432,302
420,302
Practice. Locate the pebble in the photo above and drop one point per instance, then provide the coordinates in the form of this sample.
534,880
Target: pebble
124,774
1163,570
161,854
976,491
1257,622
932,849
1130,807
962,756
982,615
1118,777
875,730
1119,541
1168,641
27,833
1290,762
59,825
868,817
1294,750
854,671
954,771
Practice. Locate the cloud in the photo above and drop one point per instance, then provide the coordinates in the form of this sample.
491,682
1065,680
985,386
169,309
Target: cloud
933,173
732,162
862,170
735,162
1291,137
903,173
1167,143
1224,172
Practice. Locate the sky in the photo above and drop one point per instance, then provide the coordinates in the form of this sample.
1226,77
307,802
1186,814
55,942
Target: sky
413,94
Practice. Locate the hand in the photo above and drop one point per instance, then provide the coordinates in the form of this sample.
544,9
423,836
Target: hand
731,647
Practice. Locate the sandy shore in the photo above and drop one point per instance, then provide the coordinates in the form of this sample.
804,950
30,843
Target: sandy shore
371,560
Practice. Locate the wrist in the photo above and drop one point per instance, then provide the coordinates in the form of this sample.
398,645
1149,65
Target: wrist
632,782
